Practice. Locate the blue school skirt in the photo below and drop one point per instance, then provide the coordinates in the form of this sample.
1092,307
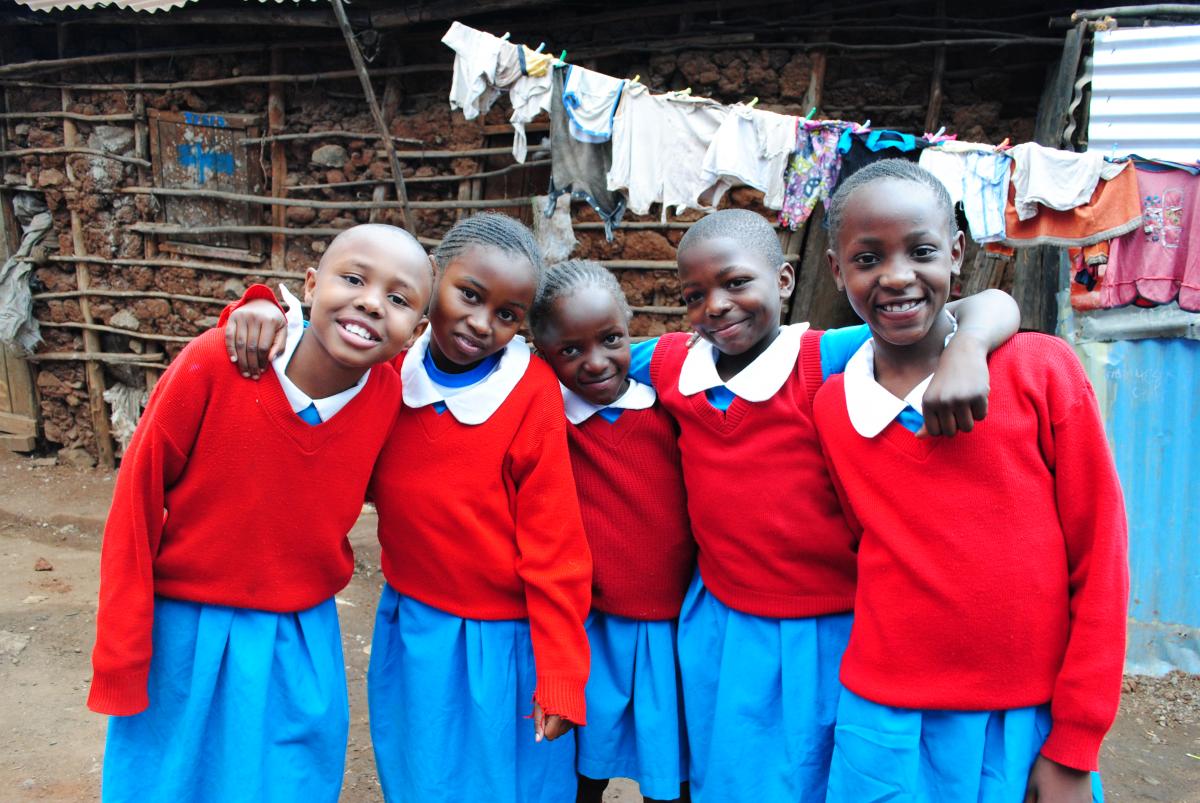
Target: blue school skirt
245,705
451,702
884,753
760,698
635,715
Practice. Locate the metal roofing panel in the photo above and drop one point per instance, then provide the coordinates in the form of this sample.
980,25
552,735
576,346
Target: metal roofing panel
1146,93
1147,394
149,6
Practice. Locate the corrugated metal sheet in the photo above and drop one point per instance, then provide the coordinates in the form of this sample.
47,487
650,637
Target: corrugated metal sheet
1146,93
1149,392
137,5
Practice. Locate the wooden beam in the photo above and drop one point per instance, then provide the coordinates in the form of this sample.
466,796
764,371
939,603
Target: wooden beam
485,203
71,149
112,358
326,135
83,118
238,80
18,425
275,122
43,65
1157,10
934,111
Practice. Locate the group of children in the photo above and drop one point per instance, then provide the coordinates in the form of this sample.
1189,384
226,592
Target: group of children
740,560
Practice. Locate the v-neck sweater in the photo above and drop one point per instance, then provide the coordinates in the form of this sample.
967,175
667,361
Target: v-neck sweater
634,509
482,521
202,511
993,569
769,528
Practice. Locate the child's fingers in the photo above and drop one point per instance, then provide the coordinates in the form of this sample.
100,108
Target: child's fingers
241,336
962,417
539,723
979,408
231,328
278,343
557,726
266,340
251,349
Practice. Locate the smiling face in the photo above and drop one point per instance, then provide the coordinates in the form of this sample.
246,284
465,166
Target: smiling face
586,341
895,257
733,297
368,297
481,300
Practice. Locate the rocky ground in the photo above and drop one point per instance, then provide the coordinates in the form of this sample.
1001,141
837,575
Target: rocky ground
51,518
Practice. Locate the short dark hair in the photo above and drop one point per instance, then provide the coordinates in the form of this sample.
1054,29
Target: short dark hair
896,170
750,230
490,230
566,277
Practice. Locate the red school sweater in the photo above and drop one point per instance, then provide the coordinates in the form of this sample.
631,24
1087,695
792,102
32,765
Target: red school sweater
988,578
771,536
483,522
201,509
634,512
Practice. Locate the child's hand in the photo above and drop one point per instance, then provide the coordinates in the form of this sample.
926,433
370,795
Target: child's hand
1051,782
549,727
957,395
254,335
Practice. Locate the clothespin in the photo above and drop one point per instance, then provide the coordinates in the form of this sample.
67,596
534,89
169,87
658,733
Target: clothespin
562,56
507,34
539,47
753,102
867,124
810,114
635,78
686,92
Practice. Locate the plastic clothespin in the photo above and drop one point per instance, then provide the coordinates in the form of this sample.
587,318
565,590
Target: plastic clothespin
687,91
753,102
540,46
867,124
939,132
635,79
562,56
810,114
506,36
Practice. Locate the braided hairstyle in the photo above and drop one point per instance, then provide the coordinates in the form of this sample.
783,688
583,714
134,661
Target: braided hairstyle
750,230
490,230
563,279
893,169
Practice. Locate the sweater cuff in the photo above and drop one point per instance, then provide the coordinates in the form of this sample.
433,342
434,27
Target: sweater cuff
562,697
119,694
255,292
1075,746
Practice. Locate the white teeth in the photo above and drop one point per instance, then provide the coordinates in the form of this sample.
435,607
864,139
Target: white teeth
903,306
361,331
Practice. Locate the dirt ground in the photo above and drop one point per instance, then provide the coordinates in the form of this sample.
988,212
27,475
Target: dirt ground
54,750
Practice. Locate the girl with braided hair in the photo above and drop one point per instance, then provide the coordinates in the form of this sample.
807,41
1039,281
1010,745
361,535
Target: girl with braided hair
625,458
487,568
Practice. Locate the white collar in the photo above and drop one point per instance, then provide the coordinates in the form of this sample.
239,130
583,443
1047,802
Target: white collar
758,381
872,406
636,397
470,405
327,407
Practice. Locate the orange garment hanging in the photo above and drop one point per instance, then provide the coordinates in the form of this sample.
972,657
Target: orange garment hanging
1114,209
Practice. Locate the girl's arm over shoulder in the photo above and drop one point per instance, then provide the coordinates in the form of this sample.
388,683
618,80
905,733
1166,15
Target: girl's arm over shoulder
957,396
255,330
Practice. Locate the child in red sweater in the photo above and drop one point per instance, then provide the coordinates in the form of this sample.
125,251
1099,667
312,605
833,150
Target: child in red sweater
985,658
765,620
218,652
487,565
626,464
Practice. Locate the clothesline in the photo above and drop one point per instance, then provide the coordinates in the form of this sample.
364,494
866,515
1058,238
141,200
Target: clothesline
617,145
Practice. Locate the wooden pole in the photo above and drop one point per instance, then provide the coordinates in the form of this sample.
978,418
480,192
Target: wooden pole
238,80
44,65
481,203
329,135
360,66
141,137
1161,9
71,149
275,123
83,279
934,112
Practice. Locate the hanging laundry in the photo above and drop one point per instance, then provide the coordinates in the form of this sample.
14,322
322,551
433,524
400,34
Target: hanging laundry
535,64
580,168
1056,179
859,149
1113,210
18,328
476,60
590,99
950,168
658,147
530,96
985,194
812,170
751,147
1159,261
554,235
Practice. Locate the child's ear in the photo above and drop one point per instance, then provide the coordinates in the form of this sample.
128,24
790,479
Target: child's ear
417,331
837,270
787,280
310,284
958,249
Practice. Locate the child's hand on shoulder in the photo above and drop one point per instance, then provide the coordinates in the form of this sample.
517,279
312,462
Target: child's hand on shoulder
254,334
549,727
1051,782
957,396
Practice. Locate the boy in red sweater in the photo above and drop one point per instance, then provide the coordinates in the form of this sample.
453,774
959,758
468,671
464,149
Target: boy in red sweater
985,658
625,459
218,652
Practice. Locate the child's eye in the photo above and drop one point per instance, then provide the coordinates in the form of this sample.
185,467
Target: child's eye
469,294
924,252
353,279
739,282
569,351
613,339
506,315
866,260
398,300
692,298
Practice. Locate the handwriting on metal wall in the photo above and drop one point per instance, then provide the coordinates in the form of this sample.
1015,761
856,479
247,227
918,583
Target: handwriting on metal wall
194,155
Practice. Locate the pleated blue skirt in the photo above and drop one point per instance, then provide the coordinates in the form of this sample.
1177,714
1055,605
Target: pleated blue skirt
635,712
450,702
245,705
883,753
760,698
